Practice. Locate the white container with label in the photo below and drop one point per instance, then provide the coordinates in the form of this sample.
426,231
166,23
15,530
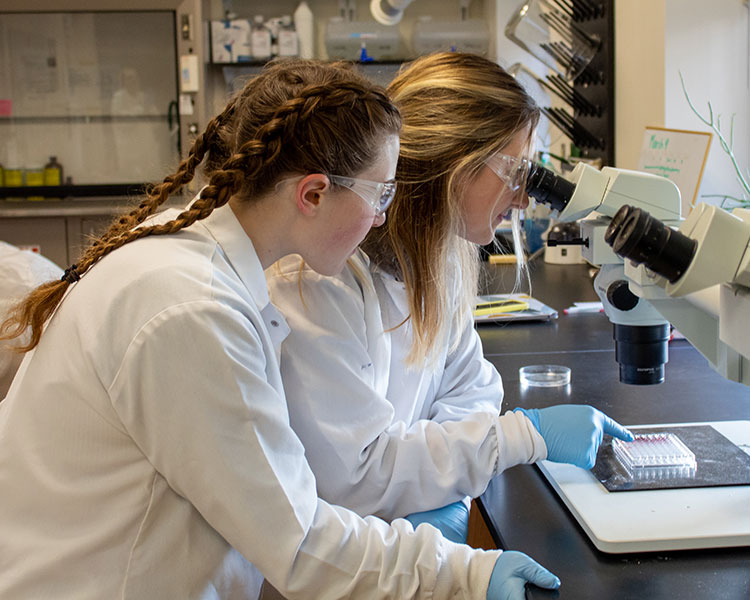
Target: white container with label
288,41
471,35
230,41
260,39
303,23
351,40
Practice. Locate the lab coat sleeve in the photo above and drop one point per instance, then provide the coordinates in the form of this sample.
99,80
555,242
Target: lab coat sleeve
20,272
361,458
192,393
469,382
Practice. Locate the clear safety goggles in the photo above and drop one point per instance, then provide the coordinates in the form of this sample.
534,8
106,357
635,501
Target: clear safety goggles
512,170
379,195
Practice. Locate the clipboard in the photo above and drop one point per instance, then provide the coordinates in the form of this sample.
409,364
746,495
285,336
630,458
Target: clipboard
497,307
527,309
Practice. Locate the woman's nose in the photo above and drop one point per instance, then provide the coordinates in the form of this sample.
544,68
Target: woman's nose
378,220
523,201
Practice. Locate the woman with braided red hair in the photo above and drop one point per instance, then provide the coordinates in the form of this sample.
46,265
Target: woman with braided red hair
145,447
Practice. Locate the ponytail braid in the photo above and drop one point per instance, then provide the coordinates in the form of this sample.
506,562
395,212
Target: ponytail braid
158,194
296,116
34,310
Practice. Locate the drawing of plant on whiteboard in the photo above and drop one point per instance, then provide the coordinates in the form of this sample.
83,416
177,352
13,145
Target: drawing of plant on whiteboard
727,147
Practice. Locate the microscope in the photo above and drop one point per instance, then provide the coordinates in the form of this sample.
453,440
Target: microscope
656,269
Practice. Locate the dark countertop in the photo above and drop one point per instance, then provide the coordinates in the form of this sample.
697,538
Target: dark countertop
522,510
78,207
63,208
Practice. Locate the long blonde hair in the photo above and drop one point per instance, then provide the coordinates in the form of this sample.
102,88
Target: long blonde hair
457,110
297,116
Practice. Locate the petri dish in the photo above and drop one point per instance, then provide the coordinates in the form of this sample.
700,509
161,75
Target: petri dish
544,375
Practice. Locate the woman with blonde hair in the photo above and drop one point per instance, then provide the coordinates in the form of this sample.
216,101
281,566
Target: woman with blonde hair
414,421
145,447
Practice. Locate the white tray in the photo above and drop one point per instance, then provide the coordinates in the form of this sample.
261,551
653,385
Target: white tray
654,520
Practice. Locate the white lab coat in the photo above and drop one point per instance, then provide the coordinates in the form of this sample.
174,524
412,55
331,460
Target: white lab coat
145,448
381,438
20,272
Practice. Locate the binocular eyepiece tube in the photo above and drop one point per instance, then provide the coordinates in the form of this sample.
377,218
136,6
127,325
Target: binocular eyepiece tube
636,235
546,187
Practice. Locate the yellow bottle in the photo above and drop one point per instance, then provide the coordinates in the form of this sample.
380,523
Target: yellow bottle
53,173
34,178
13,177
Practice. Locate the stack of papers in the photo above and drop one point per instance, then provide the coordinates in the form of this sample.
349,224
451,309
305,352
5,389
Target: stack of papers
584,307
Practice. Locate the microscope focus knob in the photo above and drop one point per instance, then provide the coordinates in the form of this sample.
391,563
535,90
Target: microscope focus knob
620,296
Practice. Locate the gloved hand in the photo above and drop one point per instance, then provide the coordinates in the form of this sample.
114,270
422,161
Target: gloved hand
512,571
573,432
452,521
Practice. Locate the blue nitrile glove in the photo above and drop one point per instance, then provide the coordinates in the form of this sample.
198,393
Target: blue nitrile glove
512,571
451,520
573,432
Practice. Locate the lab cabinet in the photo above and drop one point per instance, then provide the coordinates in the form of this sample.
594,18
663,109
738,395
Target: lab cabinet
81,230
59,237
344,20
96,90
47,235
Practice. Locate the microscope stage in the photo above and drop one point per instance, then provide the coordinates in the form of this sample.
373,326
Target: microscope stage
652,520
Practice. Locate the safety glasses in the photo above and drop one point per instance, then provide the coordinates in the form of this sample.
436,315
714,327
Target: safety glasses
379,195
512,170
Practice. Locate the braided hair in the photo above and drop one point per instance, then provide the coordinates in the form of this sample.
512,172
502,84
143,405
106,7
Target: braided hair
297,116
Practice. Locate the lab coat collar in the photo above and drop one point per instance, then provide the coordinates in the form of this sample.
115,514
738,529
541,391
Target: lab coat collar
224,227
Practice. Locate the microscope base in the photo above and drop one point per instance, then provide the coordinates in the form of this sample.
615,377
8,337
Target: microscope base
658,520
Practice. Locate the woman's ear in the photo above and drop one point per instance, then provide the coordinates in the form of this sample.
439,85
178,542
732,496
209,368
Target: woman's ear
310,191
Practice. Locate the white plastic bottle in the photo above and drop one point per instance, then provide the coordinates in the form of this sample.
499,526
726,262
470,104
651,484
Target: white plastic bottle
303,23
260,39
288,41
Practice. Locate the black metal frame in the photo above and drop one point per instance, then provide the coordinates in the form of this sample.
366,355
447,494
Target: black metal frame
597,85
591,96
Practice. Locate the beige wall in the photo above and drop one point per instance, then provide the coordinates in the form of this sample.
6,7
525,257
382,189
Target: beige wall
709,43
639,75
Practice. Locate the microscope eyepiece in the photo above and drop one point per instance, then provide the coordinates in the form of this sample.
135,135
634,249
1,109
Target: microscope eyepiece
636,235
546,187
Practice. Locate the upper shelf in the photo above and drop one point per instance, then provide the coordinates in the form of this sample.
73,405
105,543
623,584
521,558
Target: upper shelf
69,192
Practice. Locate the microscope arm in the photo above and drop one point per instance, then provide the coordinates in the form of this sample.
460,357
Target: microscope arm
605,191
721,254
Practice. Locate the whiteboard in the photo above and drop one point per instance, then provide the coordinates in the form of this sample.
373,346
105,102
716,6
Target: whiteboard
678,155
